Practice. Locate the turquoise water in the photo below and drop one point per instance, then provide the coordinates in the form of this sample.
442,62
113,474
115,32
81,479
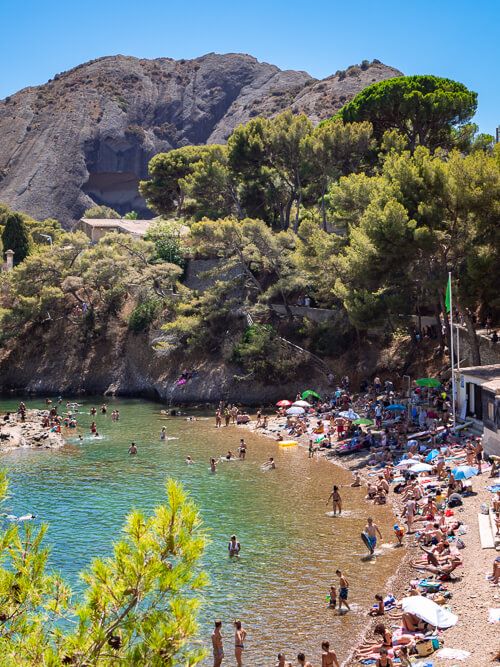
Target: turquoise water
290,547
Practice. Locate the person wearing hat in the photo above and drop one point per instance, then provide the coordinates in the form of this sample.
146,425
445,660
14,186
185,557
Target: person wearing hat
399,532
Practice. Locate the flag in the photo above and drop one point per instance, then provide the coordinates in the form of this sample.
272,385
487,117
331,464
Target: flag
447,300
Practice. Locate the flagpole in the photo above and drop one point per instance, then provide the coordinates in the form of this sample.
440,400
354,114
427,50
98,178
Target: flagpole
452,354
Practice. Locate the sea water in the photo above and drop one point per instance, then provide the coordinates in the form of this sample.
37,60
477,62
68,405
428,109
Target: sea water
291,547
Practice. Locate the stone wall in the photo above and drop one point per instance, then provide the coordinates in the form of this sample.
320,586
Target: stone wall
490,352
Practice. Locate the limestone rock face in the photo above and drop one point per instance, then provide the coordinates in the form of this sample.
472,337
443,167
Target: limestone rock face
86,136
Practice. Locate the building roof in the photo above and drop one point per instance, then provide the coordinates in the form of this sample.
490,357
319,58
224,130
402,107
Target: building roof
489,376
139,227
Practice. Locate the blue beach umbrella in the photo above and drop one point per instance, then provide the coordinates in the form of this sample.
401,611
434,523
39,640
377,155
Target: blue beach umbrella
431,455
464,472
396,407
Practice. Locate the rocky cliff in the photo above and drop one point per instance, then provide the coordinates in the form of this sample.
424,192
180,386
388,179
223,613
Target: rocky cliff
86,136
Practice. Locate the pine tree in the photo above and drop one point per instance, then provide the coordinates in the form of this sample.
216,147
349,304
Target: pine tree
16,237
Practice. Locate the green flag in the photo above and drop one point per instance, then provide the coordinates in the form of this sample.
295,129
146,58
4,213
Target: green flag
447,300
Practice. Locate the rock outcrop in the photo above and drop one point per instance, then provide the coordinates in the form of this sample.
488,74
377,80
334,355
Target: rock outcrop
86,136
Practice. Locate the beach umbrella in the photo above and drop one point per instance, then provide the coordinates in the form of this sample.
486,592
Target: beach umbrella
320,438
412,443
295,410
363,422
349,414
428,382
407,462
284,403
429,611
302,404
420,467
310,393
464,472
396,407
431,456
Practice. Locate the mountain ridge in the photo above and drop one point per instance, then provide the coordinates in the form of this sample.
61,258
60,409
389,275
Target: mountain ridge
86,136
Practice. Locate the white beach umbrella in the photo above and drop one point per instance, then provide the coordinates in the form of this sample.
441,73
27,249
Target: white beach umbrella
302,404
407,462
429,611
295,410
349,414
420,467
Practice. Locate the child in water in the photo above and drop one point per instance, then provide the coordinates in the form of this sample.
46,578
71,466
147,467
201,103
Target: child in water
399,532
332,597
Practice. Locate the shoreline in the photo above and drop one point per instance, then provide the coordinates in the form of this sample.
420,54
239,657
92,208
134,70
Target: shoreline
28,434
471,579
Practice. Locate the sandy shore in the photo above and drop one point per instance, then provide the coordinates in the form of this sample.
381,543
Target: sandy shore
472,593
15,434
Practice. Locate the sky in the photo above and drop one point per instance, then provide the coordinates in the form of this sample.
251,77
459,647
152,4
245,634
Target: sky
459,40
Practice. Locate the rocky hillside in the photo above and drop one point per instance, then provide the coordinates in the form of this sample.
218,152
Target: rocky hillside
86,136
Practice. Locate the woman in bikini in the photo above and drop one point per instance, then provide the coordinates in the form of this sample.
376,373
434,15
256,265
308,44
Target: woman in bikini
336,500
328,657
239,642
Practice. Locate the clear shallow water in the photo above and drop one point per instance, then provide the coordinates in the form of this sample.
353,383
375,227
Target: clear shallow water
290,547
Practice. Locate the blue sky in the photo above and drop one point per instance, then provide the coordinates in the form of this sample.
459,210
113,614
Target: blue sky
460,39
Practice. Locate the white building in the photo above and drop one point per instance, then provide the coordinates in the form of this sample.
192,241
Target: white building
478,397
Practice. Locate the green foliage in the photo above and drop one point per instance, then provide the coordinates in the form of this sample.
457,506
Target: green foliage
139,605
167,236
425,109
131,215
101,212
16,237
144,315
261,355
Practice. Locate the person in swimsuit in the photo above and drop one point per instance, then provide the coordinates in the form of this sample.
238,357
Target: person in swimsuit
282,661
336,500
384,660
239,642
132,450
234,546
242,449
213,465
163,433
301,660
344,590
332,597
217,645
328,657
371,530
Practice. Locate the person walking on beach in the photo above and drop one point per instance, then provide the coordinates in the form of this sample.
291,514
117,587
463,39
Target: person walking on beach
478,451
328,657
217,644
371,531
239,642
336,500
409,514
343,590
218,419
310,450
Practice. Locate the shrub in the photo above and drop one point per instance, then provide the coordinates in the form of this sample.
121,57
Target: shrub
261,355
144,315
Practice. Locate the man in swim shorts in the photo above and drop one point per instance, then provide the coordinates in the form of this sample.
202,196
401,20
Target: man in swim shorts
132,450
371,530
343,590
217,645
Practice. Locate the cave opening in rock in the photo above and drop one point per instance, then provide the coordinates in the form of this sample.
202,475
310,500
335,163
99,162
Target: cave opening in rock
119,190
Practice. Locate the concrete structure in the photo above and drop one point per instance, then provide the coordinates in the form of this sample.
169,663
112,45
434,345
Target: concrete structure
478,397
9,261
96,228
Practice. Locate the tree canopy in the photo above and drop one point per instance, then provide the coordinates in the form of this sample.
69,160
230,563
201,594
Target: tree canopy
16,237
423,108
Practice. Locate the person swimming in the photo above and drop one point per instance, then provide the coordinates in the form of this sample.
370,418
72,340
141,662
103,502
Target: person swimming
189,460
132,450
269,465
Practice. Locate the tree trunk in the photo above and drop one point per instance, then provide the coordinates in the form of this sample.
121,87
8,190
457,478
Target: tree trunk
288,210
296,223
473,339
323,209
437,311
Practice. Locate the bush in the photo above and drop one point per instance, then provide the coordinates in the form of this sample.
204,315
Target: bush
101,212
261,355
365,64
143,315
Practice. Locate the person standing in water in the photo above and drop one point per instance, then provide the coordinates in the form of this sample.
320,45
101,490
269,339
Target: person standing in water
234,546
371,531
242,449
336,500
217,644
239,642
163,433
343,590
328,657
213,465
132,450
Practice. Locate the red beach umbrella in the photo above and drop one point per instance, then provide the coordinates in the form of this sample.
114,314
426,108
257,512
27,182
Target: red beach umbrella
283,404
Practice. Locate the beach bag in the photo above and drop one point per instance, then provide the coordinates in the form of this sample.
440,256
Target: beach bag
426,647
